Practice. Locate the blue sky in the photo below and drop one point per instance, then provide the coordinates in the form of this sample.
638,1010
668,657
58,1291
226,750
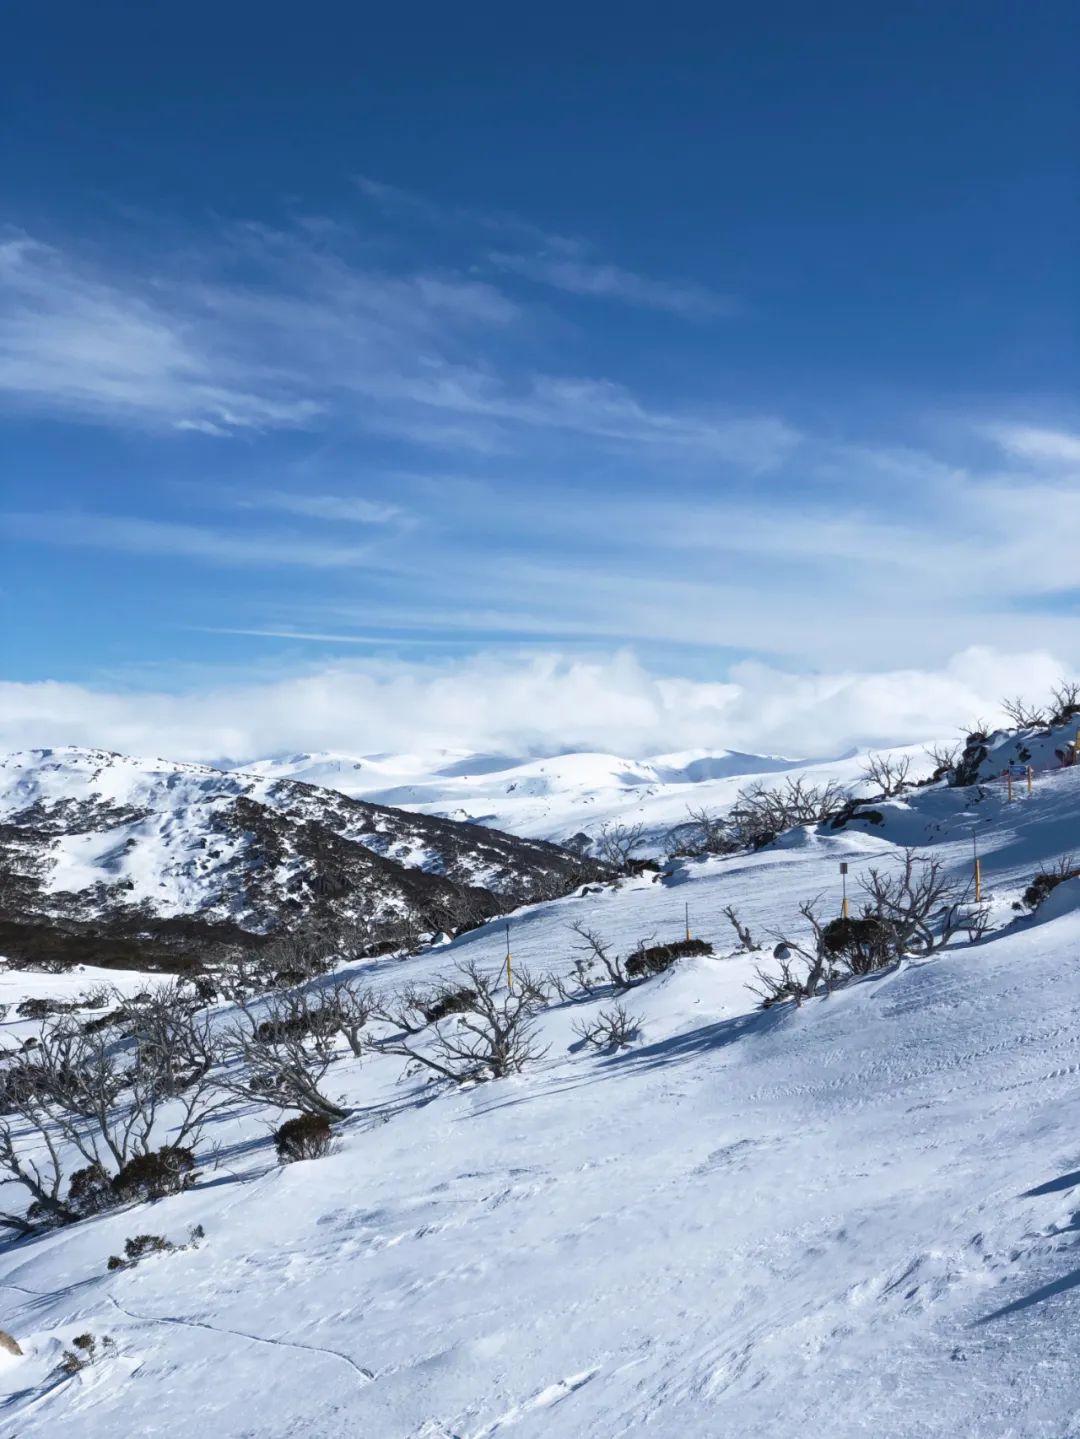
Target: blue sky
350,349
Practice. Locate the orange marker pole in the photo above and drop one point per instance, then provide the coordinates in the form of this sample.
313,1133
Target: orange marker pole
1030,777
509,965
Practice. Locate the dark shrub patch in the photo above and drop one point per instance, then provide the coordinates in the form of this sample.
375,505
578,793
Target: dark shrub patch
863,944
311,1021
90,1191
168,1170
448,1001
309,1136
658,957
1047,881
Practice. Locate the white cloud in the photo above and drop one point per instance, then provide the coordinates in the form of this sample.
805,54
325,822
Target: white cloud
314,339
1032,443
76,341
192,542
574,272
513,702
353,509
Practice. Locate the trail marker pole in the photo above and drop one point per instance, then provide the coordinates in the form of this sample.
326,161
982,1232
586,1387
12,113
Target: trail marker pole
843,882
978,866
1030,777
509,965
688,919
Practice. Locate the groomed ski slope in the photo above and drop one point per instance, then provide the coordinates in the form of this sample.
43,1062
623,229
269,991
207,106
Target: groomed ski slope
857,1218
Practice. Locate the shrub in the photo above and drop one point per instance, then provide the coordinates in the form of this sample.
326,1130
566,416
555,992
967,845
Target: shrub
84,1352
90,1191
861,945
655,959
141,1245
309,1136
1046,881
169,1170
446,1001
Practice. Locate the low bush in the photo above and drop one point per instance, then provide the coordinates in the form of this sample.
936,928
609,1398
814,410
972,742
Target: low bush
1046,881
90,1191
449,1000
309,1136
169,1170
860,945
656,958
142,1245
85,1351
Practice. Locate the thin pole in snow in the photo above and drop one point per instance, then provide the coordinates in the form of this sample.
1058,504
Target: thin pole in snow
509,966
687,909
843,882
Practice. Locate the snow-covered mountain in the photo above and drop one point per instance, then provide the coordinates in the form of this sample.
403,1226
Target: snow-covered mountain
853,1217
552,797
134,846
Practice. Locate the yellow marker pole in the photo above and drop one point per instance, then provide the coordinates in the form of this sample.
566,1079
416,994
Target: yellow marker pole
843,881
509,965
688,921
1030,777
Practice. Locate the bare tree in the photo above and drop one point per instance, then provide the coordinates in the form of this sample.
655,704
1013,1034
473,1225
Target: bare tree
598,959
612,1029
495,1037
349,1008
760,813
405,1009
107,1101
616,843
703,832
171,1035
42,1181
279,1051
1066,702
888,772
1024,715
944,758
920,903
742,931
804,966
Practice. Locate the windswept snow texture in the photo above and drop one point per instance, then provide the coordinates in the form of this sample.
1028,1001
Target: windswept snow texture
556,797
857,1218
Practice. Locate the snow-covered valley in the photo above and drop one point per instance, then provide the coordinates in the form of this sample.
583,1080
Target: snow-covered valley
858,1216
556,796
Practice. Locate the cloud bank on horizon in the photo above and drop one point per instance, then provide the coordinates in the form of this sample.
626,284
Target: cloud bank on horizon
528,704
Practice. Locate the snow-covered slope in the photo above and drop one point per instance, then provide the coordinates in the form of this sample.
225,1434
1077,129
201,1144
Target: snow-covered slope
558,796
855,1218
95,837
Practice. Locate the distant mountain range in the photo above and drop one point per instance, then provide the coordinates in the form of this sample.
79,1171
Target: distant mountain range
115,859
554,797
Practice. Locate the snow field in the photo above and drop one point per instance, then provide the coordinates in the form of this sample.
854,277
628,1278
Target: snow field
856,1218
